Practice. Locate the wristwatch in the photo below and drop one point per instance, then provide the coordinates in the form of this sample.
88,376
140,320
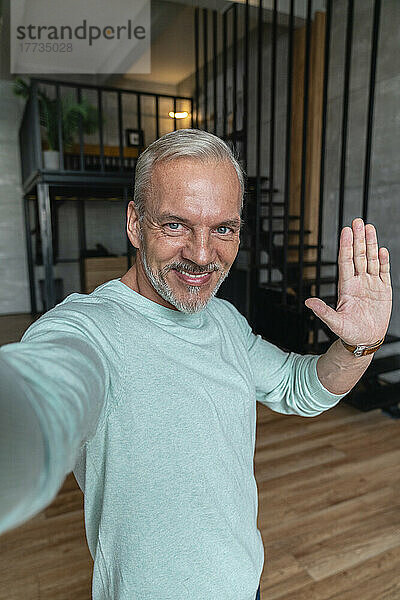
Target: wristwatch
363,350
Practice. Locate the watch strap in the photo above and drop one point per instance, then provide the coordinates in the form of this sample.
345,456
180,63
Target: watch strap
361,350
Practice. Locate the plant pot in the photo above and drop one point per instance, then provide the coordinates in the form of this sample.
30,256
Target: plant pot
51,159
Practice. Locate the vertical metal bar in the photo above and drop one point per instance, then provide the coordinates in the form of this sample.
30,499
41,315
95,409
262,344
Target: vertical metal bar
29,253
44,208
272,134
120,132
245,145
345,113
175,112
158,117
80,205
245,83
139,111
37,149
371,102
304,154
322,162
81,156
234,72
59,128
205,67
197,61
191,113
101,134
215,66
256,260
224,72
288,143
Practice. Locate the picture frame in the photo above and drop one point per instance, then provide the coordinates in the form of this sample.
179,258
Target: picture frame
134,138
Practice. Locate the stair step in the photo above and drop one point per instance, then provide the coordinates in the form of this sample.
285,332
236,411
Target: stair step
320,349
322,280
252,180
369,398
296,246
290,217
252,192
313,263
294,284
306,263
329,300
391,339
382,365
281,231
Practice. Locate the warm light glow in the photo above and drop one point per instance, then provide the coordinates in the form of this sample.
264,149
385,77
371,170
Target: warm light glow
178,115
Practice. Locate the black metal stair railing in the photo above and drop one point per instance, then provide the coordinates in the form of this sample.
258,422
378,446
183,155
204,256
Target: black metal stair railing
282,258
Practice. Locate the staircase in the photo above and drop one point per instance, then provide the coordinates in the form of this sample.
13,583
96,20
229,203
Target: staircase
292,326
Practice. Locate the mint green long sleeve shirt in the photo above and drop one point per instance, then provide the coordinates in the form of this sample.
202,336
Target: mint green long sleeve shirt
154,411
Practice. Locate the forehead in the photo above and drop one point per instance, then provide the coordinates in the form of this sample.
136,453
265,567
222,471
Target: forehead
195,190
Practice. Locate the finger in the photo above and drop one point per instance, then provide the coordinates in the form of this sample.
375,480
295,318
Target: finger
384,265
372,250
327,314
345,260
359,248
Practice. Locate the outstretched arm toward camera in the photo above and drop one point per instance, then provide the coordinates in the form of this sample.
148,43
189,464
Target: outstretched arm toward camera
363,310
52,389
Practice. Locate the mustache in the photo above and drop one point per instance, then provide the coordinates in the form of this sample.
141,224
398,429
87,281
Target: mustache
192,268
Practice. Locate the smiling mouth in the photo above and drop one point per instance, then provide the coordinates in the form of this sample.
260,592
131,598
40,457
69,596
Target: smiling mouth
194,278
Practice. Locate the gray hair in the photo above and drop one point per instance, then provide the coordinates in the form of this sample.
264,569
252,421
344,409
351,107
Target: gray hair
182,143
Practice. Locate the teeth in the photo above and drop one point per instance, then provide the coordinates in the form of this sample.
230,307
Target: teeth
192,275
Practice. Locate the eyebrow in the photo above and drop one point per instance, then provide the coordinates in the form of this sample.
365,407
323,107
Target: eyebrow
234,222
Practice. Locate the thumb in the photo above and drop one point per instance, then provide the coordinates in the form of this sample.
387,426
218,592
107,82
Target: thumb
324,312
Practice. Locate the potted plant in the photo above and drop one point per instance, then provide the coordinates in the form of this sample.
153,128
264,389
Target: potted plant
72,112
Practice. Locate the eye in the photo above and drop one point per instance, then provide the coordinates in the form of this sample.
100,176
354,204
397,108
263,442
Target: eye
223,227
173,226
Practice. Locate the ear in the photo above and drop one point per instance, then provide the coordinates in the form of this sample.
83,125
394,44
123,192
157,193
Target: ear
133,225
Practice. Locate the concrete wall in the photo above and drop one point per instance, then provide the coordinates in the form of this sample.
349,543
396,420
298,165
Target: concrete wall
384,204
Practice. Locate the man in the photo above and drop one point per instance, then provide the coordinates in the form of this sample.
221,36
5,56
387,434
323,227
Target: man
147,387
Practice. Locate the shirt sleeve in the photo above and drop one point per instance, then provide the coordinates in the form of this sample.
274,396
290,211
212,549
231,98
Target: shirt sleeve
53,386
286,382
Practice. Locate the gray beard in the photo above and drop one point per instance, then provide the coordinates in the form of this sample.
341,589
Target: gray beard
193,304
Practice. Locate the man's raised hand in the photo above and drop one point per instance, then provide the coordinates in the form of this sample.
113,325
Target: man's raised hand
364,290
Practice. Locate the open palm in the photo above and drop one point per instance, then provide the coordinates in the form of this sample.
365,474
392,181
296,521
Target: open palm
364,290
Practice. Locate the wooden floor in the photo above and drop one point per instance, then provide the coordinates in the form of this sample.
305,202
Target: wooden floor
329,513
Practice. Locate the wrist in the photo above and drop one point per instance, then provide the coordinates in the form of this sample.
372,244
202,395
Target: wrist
360,350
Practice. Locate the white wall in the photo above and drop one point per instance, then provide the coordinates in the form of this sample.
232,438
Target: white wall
14,287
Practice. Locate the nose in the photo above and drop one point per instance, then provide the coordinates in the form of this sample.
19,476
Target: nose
199,248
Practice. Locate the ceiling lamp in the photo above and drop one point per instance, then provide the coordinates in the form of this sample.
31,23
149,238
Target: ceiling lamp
178,115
